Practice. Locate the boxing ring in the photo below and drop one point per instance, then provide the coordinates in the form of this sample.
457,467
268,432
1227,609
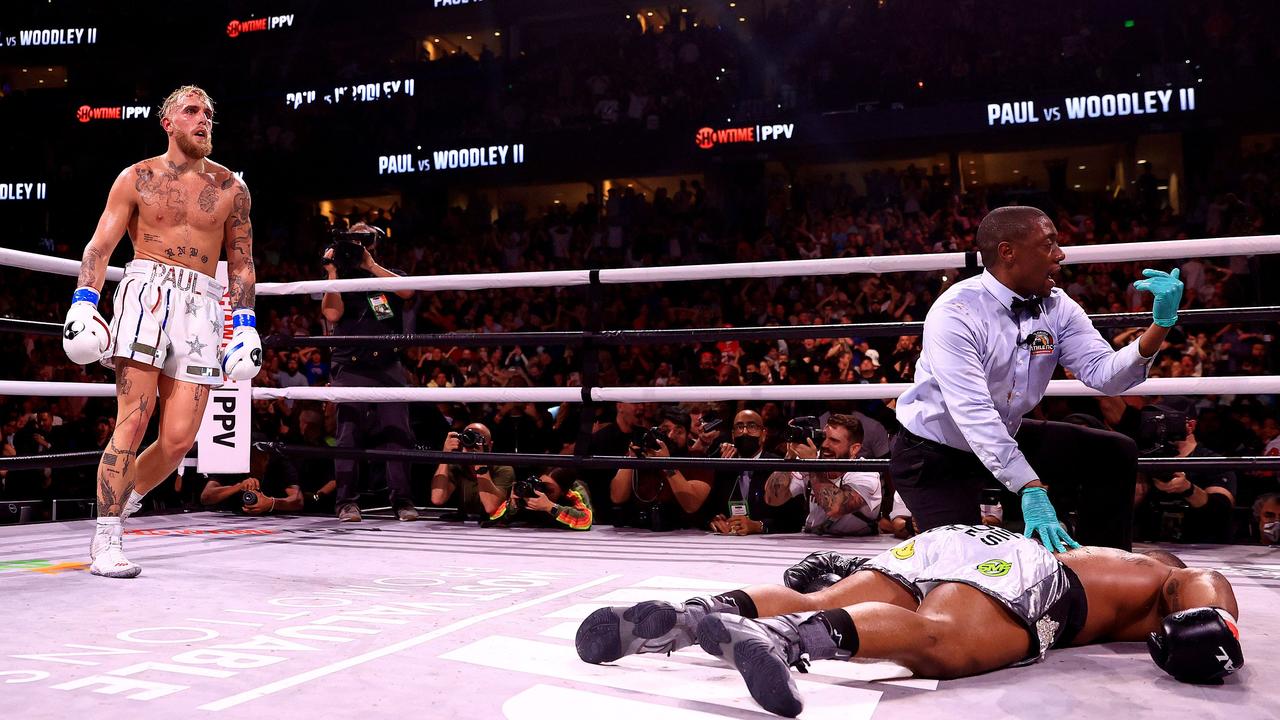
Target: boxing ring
270,617
253,617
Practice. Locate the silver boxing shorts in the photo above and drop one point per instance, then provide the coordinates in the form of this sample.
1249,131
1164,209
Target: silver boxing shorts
1042,593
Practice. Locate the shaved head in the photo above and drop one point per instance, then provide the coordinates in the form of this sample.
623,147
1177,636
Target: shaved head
1007,224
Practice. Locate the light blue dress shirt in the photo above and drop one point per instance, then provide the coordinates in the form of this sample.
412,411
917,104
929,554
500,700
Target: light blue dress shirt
982,368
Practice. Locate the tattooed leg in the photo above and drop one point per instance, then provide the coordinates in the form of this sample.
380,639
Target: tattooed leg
117,469
182,407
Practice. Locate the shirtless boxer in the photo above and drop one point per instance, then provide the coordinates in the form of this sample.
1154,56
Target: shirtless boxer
180,209
957,600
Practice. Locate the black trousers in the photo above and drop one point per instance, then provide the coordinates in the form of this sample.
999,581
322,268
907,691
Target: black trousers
1092,470
380,426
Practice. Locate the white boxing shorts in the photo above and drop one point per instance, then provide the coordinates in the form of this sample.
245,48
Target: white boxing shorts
168,317
1044,595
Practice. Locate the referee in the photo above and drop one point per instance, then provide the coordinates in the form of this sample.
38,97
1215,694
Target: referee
991,344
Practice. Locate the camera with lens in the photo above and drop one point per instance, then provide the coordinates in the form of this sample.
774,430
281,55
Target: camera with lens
528,487
470,438
654,439
348,249
249,498
649,440
803,429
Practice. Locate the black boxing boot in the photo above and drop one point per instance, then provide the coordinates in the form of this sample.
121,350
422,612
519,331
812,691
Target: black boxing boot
652,626
820,570
764,651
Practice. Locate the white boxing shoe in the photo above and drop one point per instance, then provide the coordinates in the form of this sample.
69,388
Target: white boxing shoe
101,538
112,563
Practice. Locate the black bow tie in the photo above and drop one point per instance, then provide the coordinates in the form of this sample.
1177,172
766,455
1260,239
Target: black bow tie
1031,305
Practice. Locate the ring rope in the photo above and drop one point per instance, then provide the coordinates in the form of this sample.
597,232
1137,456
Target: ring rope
565,338
615,462
1115,252
1252,385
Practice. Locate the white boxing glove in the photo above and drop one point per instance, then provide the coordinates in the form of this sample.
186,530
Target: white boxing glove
86,337
243,357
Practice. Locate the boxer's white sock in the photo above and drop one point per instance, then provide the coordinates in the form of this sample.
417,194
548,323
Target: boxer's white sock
132,505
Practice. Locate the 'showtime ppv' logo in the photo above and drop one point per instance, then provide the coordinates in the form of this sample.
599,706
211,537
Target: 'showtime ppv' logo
86,113
236,27
707,138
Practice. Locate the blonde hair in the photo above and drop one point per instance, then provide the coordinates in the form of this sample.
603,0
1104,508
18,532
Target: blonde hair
171,102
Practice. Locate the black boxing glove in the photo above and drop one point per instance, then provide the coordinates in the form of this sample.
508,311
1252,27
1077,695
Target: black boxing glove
1197,645
820,570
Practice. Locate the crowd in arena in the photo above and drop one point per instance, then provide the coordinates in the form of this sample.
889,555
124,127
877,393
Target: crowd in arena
901,211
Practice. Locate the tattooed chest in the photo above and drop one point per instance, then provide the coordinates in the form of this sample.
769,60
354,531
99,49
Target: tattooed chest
167,198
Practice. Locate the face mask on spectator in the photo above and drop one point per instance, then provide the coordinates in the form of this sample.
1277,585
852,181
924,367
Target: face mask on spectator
747,445
1271,532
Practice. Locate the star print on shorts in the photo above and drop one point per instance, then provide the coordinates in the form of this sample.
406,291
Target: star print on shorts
195,346
215,326
192,306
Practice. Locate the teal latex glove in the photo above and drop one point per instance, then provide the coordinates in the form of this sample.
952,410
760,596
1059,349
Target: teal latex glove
1040,517
1167,289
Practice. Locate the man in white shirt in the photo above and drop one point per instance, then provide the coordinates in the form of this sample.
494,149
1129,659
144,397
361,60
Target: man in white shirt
839,503
991,344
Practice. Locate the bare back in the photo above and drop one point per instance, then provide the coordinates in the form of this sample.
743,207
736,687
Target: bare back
1123,590
180,215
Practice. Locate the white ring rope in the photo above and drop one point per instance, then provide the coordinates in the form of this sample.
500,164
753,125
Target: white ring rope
46,263
1116,252
1256,385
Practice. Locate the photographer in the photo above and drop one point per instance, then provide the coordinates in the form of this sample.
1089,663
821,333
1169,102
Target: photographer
554,499
271,487
476,490
383,426
1181,506
839,503
663,499
740,495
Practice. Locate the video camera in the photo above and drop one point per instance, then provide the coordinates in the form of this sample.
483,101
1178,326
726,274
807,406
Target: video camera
1159,431
348,248
802,429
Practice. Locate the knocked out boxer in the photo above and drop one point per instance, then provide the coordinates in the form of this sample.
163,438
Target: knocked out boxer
955,601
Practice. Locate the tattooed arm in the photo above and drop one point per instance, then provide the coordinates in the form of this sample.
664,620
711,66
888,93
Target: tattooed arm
121,202
238,237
